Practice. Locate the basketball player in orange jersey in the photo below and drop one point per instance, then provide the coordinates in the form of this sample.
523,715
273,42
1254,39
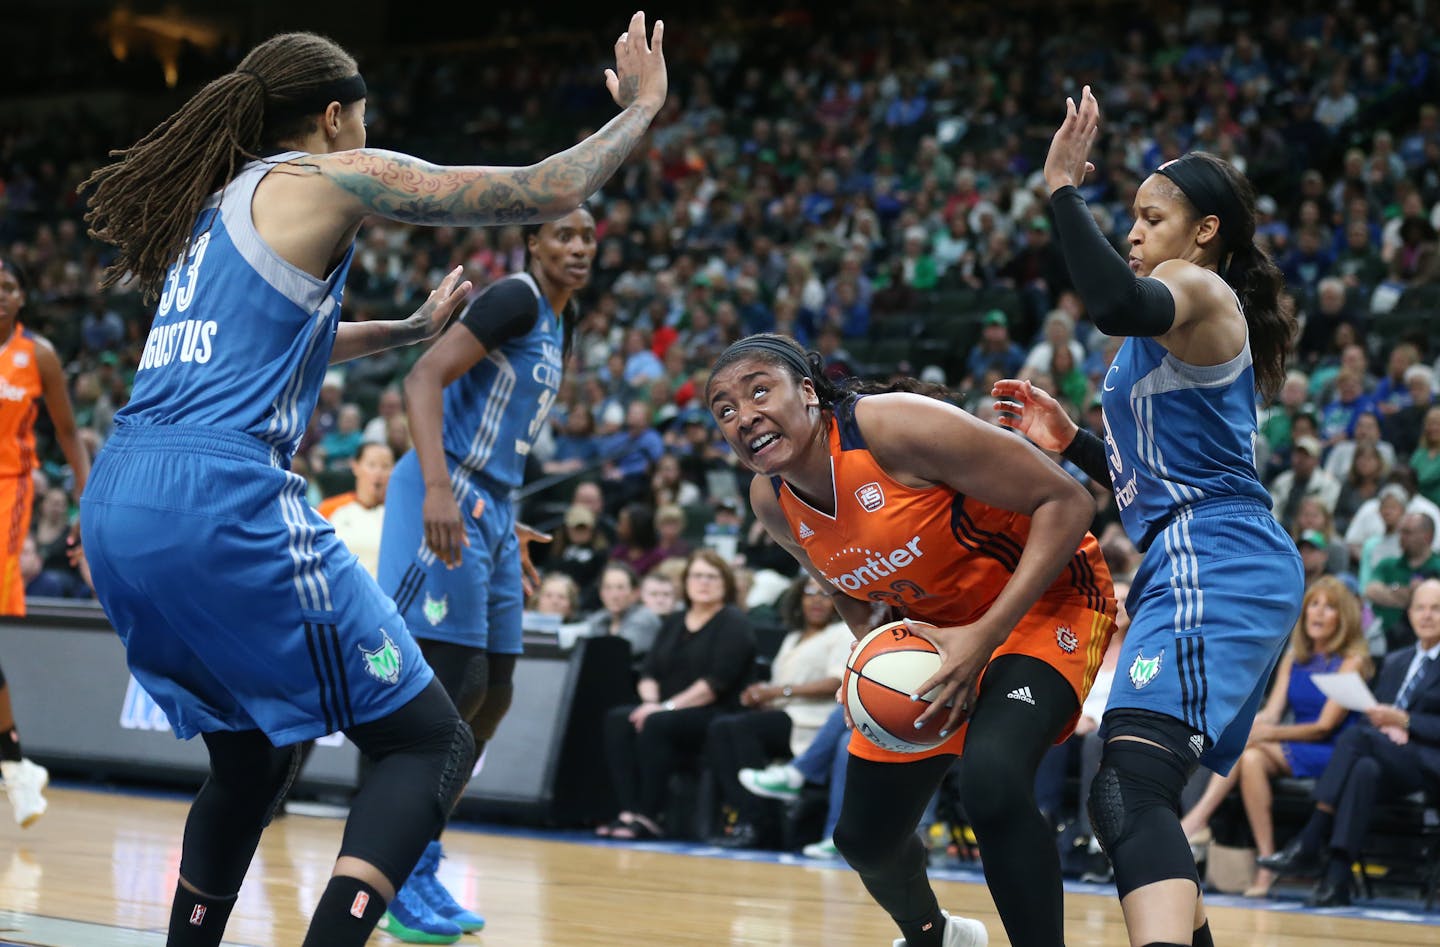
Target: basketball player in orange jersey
29,371
899,500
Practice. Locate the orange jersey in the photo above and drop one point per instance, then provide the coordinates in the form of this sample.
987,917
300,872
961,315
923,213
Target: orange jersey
20,391
931,552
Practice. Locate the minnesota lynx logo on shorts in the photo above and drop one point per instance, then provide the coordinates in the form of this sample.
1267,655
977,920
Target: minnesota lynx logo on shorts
436,608
871,497
1144,670
384,662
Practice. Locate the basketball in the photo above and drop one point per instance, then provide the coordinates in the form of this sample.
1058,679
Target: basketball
884,669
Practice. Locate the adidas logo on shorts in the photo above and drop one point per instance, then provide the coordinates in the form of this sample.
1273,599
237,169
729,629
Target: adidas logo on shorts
1022,693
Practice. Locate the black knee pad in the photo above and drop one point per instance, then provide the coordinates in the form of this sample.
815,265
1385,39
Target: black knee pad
1134,810
497,702
254,776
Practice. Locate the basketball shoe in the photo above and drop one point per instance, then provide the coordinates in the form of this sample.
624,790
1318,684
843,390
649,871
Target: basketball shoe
825,848
780,781
409,919
24,783
424,880
959,932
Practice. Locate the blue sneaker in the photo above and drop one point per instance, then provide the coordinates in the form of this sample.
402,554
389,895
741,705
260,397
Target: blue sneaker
424,880
411,920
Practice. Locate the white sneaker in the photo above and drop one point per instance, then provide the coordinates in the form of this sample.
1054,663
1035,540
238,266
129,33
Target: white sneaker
959,932
24,783
780,781
822,849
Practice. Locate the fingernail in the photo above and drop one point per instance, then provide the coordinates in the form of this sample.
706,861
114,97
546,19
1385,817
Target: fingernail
914,696
919,724
944,733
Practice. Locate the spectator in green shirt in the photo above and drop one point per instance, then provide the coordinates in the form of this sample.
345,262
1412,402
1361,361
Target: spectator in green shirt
1393,580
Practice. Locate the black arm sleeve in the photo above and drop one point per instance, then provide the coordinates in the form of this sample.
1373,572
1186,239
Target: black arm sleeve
1087,452
1118,302
505,311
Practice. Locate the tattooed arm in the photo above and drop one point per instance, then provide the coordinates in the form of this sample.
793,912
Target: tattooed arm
404,188
354,339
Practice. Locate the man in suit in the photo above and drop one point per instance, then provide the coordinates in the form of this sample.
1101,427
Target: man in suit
1393,754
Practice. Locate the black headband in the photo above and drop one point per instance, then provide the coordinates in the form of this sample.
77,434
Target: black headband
1206,186
307,101
771,345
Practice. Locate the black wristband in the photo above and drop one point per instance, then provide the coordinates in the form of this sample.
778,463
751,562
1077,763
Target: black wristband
1087,451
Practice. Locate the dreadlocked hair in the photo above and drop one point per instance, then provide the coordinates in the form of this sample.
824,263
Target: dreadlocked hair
145,203
784,352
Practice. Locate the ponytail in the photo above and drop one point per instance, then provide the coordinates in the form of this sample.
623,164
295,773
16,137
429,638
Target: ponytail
1271,317
145,203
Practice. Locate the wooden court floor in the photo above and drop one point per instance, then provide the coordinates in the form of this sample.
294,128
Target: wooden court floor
99,871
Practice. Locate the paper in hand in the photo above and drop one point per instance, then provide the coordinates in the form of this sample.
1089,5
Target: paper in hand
1349,690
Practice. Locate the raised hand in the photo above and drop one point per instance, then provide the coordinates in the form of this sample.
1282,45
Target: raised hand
1067,161
1034,413
430,319
639,75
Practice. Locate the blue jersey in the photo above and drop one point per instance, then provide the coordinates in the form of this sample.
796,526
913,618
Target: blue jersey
1177,434
493,412
241,338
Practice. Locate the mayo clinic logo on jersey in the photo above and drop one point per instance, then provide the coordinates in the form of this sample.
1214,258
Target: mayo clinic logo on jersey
385,662
876,565
870,497
1144,670
1066,639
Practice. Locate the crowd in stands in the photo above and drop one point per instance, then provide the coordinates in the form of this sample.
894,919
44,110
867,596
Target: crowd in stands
871,186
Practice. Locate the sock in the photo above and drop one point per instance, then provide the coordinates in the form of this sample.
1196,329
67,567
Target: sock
348,911
10,746
926,932
1337,871
1202,937
1316,833
197,920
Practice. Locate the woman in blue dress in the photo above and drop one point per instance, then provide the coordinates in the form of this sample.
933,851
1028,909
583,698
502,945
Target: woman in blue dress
1329,638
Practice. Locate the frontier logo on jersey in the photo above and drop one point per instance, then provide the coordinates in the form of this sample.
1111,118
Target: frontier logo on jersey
870,497
384,662
873,565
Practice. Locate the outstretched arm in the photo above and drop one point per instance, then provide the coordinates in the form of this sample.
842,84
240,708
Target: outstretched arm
355,339
397,186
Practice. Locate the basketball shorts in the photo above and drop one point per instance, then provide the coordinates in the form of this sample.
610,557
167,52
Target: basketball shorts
479,603
238,606
1211,609
17,498
1071,638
